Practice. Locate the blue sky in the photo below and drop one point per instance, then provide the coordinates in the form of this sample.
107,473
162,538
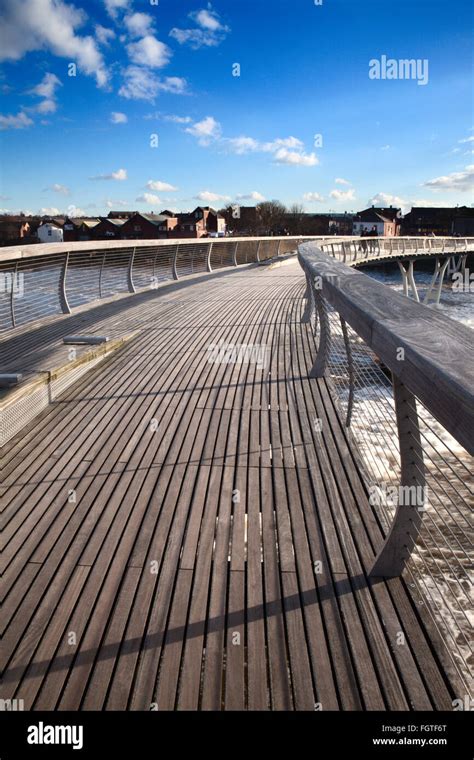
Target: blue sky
155,118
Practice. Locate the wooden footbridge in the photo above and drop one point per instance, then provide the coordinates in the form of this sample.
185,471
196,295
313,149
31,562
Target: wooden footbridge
188,472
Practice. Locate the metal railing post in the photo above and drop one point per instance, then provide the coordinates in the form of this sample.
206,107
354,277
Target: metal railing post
101,271
131,287
66,309
319,367
309,301
403,532
175,263
258,251
234,258
12,294
208,260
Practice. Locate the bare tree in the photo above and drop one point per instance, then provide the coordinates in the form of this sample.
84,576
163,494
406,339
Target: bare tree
271,216
295,219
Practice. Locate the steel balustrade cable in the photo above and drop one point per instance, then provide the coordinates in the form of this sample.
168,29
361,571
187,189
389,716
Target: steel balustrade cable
389,421
375,430
456,608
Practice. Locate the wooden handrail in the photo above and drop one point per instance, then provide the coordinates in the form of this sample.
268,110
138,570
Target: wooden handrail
437,364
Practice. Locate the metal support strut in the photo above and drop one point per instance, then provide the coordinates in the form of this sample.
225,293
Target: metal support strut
350,367
438,275
408,279
66,309
403,532
319,367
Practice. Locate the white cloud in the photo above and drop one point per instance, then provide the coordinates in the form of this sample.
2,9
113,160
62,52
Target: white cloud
313,198
142,84
467,139
62,189
158,116
119,175
47,89
149,52
139,24
49,25
209,197
209,30
149,198
342,195
113,6
460,181
75,211
253,196
287,150
206,130
161,187
16,212
20,121
47,106
341,181
116,204
386,199
49,211
385,147
241,145
173,85
284,156
116,117
207,20
103,35
178,119
286,142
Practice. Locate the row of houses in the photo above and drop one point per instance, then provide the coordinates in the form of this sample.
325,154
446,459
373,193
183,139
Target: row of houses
387,221
125,225
133,225
205,221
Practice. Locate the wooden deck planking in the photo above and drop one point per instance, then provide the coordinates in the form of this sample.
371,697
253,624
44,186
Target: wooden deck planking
223,566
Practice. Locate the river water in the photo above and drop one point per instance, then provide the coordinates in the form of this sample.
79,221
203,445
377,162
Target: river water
455,303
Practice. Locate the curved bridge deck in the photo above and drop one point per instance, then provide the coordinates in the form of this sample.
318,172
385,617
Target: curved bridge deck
216,553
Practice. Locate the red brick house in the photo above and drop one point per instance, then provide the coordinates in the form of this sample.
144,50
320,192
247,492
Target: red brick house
204,221
79,229
108,229
13,229
148,227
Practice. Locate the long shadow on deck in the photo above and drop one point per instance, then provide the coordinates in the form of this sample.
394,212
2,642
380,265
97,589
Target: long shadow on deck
280,606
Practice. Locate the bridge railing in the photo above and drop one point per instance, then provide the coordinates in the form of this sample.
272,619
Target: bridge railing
47,279
402,379
352,250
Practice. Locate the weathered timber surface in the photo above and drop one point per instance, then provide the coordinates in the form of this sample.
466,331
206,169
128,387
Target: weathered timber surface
216,551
